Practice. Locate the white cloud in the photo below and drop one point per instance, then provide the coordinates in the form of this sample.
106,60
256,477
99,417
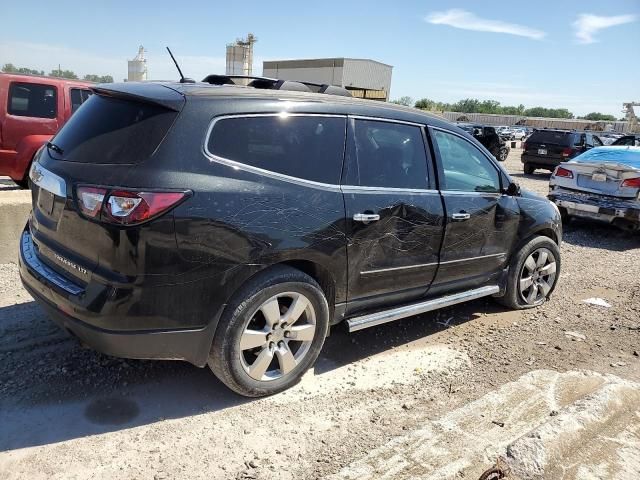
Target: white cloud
587,25
47,57
469,21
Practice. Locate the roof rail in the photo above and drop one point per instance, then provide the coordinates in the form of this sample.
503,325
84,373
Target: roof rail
276,84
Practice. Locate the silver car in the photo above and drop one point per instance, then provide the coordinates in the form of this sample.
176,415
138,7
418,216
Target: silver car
602,183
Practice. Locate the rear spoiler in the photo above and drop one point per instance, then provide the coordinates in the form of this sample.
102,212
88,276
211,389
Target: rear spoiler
150,93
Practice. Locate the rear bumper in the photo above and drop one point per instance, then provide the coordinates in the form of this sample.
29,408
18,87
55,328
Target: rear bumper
64,302
599,207
550,162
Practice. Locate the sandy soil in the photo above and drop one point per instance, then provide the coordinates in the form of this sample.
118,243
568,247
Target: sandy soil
67,413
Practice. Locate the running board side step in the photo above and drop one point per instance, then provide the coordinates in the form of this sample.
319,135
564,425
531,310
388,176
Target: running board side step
373,319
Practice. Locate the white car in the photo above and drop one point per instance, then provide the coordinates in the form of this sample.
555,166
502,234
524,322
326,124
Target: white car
602,183
519,134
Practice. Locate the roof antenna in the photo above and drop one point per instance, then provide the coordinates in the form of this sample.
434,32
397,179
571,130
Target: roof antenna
183,79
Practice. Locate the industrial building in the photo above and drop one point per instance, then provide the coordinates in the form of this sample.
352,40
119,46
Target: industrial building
362,77
240,56
137,68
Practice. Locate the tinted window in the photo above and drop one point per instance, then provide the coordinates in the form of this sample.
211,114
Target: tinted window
551,137
309,147
109,130
597,142
465,167
384,154
33,100
78,97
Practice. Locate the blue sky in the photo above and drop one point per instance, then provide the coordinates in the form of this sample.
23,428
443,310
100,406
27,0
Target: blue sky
582,55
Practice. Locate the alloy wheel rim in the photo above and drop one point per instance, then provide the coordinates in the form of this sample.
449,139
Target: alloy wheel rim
277,336
537,277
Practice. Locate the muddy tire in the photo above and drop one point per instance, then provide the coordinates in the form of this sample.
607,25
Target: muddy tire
271,333
533,274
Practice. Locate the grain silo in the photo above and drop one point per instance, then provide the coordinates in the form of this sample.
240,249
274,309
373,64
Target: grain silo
137,67
240,56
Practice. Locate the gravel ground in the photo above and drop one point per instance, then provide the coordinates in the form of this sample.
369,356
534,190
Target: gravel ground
66,412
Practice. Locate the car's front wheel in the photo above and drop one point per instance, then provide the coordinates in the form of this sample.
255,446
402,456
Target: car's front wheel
533,274
271,333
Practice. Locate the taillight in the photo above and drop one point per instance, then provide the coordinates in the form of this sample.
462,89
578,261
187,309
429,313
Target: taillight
631,182
563,172
90,200
126,207
567,151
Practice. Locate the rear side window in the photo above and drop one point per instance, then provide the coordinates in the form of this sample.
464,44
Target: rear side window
113,131
388,155
551,137
78,97
33,100
307,147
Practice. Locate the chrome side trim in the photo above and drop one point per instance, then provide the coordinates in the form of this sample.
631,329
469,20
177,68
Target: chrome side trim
474,258
468,193
260,171
394,269
373,319
389,120
30,257
383,190
51,182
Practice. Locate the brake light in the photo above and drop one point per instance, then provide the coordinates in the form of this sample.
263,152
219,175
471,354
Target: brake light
125,207
563,172
631,182
567,151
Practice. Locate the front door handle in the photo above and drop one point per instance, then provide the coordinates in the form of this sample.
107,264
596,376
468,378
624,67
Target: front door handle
459,217
366,217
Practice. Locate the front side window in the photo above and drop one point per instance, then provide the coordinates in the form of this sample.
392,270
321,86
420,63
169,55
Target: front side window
465,168
33,100
385,154
307,147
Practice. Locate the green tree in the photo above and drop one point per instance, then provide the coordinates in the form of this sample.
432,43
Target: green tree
597,116
98,78
548,112
407,101
425,104
63,74
11,68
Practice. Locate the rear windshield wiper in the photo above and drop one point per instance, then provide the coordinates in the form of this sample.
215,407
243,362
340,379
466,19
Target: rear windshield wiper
55,148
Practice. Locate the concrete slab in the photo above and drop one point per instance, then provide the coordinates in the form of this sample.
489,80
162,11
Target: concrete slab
545,425
15,206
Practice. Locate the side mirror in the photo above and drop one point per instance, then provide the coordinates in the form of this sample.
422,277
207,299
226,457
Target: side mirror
513,190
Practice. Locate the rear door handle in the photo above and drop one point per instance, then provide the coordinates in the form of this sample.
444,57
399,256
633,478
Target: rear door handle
366,217
459,217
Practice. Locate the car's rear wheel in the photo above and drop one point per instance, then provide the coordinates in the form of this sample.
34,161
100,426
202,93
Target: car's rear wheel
271,333
533,274
528,168
503,155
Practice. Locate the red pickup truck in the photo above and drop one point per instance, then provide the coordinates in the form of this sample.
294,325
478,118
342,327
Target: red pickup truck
32,110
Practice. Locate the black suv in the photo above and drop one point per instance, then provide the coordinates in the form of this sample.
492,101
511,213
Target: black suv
489,138
548,148
232,225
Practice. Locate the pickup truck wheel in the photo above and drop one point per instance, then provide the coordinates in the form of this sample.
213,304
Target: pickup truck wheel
533,274
529,169
271,333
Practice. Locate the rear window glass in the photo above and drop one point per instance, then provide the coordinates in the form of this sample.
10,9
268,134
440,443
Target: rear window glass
33,100
308,147
113,131
624,156
552,137
78,97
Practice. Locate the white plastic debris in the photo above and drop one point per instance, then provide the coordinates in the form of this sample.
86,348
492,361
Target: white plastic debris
600,302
